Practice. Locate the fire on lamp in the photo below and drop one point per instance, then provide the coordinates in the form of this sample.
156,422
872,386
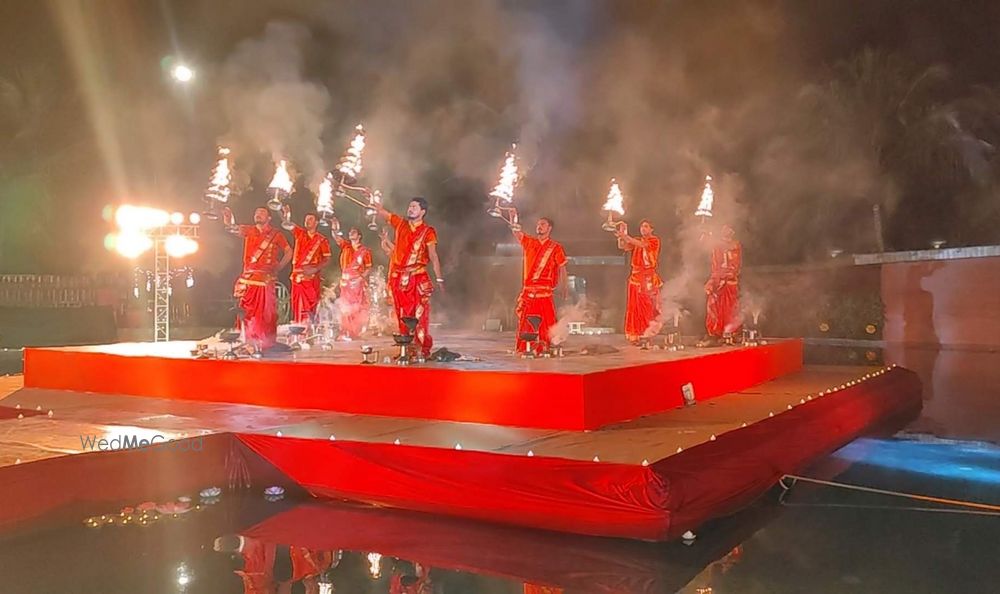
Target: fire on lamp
350,165
707,199
614,204
349,169
220,186
280,187
324,201
503,192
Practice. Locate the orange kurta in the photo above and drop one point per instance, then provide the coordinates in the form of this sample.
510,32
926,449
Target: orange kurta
642,308
258,567
353,303
255,286
542,263
307,289
723,289
410,284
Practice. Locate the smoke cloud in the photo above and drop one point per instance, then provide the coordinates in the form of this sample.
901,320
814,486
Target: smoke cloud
270,104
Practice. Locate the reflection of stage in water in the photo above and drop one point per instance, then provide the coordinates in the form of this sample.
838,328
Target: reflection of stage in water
571,563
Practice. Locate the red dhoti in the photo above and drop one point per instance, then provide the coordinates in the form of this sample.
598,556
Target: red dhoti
258,567
722,308
540,303
306,292
259,303
411,296
353,306
642,308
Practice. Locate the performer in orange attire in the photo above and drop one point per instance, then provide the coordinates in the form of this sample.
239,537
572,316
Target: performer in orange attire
544,270
311,253
355,264
258,562
642,308
722,313
255,286
411,286
307,567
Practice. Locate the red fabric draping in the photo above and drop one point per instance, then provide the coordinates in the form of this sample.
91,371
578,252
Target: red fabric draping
551,493
714,479
720,477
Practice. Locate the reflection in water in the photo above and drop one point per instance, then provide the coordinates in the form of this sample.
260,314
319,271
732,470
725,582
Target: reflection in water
409,553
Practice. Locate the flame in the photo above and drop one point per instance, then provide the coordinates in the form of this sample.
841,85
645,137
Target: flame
504,189
707,198
324,199
373,199
350,164
615,201
281,180
374,565
222,177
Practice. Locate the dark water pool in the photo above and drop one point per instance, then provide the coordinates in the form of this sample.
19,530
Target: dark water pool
810,539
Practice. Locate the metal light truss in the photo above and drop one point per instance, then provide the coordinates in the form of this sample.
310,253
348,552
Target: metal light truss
162,277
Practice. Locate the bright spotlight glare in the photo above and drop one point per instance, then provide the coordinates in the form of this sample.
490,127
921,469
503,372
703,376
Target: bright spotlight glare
177,218
139,218
179,246
194,218
182,73
132,244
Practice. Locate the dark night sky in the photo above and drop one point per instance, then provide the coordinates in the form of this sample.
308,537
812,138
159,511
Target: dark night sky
655,93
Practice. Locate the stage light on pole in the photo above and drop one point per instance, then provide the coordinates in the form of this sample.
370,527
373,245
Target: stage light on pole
178,246
177,218
132,244
182,73
194,218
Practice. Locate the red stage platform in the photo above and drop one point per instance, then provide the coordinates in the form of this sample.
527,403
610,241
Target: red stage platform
576,392
716,477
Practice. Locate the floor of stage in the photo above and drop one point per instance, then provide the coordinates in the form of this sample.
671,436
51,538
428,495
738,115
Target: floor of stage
488,351
76,415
